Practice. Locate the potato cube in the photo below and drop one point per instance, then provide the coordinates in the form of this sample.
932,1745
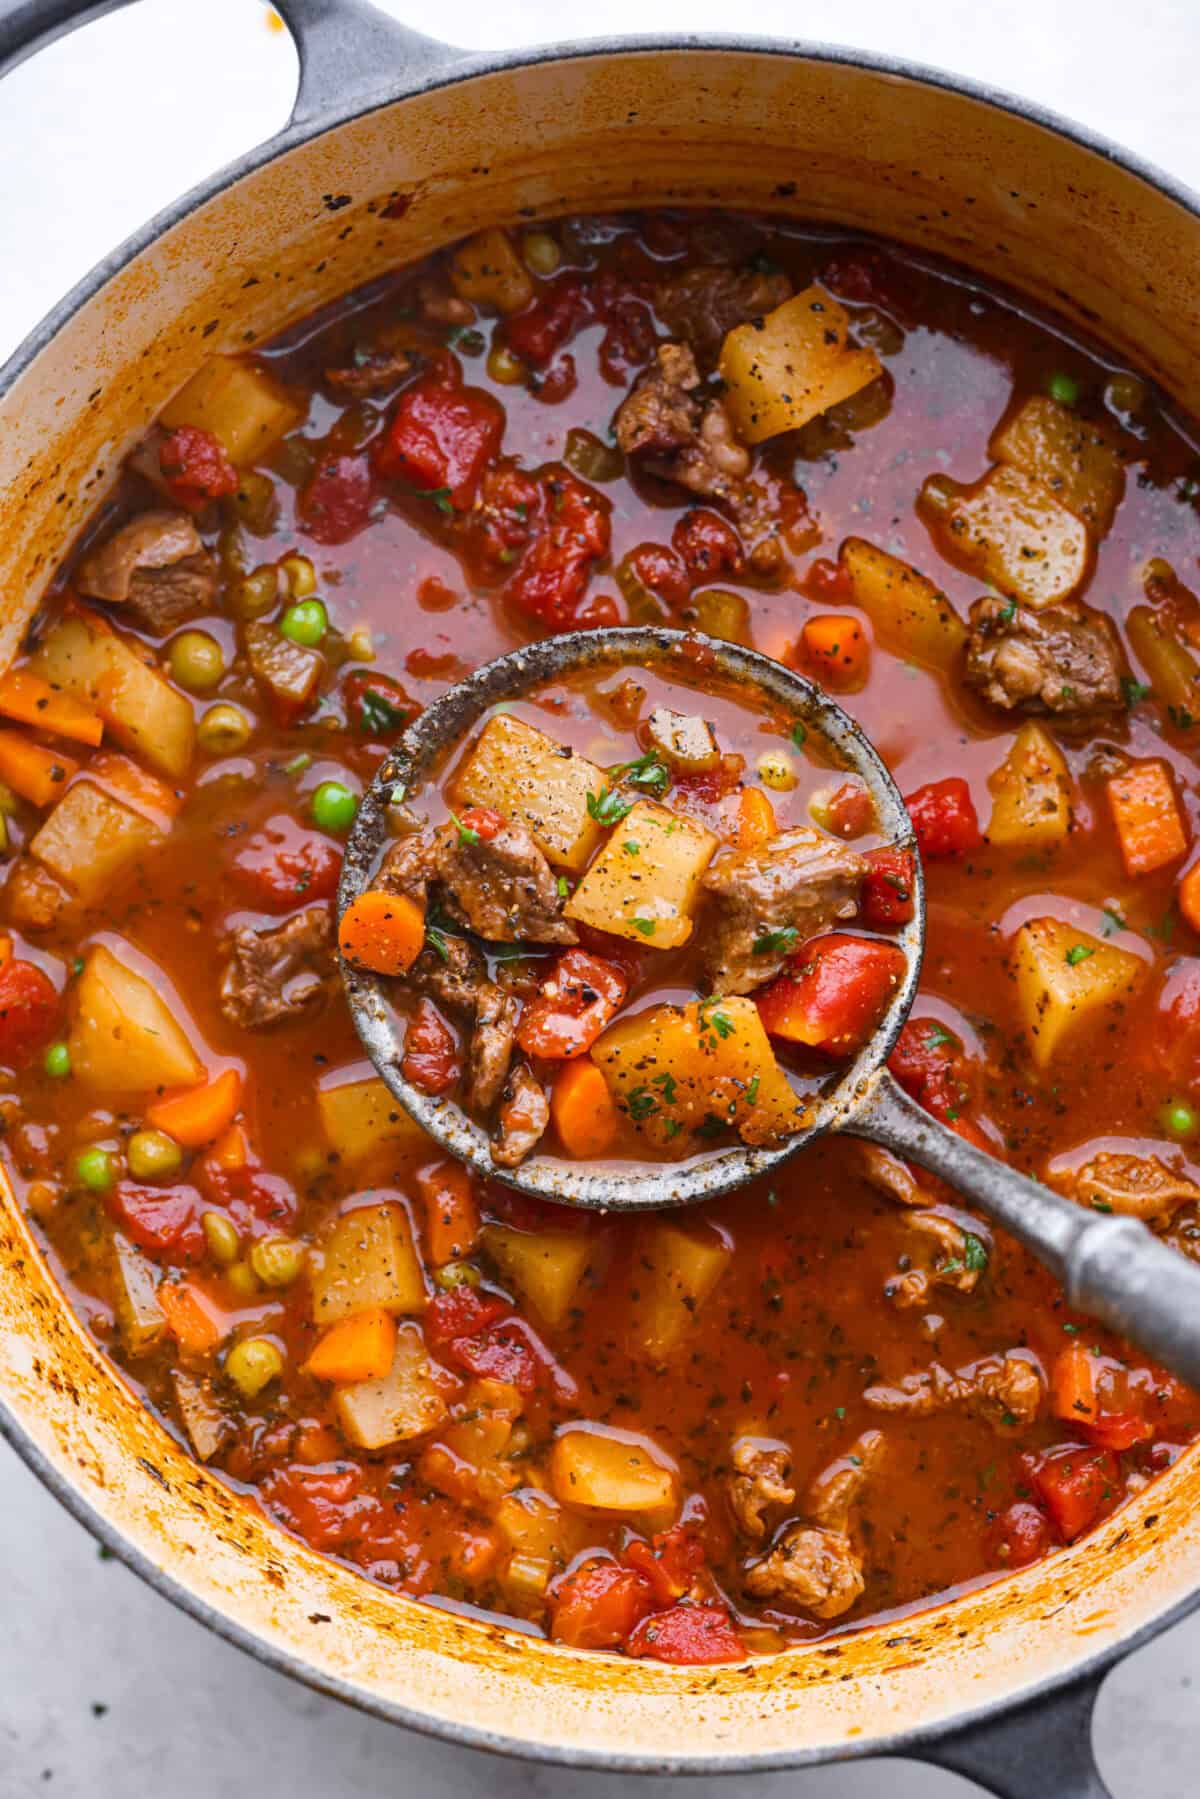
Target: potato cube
244,407
405,1403
1031,793
360,1119
546,1267
1066,981
207,1425
610,1474
519,771
90,839
1010,530
85,657
487,271
911,617
140,1318
678,1268
368,1260
686,1073
124,1038
685,740
533,1523
784,369
1074,458
645,883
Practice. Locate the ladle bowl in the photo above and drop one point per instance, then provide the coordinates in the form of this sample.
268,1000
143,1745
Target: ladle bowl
1112,1267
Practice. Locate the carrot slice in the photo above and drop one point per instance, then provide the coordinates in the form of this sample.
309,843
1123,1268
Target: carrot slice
38,775
1146,814
192,1317
451,1214
836,648
755,819
582,1109
384,932
361,1347
194,1118
1189,896
32,701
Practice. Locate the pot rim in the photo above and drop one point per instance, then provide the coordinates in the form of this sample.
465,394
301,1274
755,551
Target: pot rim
460,67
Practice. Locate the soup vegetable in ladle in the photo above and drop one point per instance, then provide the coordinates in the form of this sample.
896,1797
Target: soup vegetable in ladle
1111,1266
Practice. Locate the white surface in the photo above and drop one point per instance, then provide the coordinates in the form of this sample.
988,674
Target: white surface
105,1691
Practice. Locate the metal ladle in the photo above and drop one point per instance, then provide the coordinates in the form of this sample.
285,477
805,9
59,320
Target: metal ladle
1112,1267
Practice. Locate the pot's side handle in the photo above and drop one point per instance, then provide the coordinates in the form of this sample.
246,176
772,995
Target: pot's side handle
27,26
1042,1749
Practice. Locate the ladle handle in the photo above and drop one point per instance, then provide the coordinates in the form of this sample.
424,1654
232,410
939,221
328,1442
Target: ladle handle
1113,1268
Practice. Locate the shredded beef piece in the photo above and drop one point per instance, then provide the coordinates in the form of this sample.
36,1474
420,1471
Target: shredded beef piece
524,1115
454,980
408,867
948,1242
156,568
501,887
838,1487
281,973
1006,1390
1063,660
759,1481
1135,1186
703,305
676,435
497,1015
816,1566
800,880
375,370
891,1176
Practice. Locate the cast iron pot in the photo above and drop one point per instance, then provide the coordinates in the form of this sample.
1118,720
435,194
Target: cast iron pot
398,144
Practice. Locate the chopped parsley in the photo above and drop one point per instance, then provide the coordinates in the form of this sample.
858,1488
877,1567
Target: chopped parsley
1180,717
668,1084
647,926
775,942
975,1255
466,833
563,887
462,337
440,497
1008,612
752,1091
1112,921
935,1036
799,734
641,1103
608,807
713,1020
377,715
649,773
631,848
1134,691
437,941
1078,952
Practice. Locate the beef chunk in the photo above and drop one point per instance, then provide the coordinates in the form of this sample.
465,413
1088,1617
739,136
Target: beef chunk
279,974
1006,1390
156,568
816,1566
408,867
376,369
454,978
1133,1186
759,1481
1064,660
938,1258
786,890
677,436
501,887
703,305
524,1115
497,1015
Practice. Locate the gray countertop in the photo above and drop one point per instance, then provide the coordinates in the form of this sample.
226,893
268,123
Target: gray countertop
105,1690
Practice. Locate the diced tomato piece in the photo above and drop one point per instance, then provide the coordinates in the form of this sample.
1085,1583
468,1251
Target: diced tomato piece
285,865
887,893
506,1351
829,582
1077,1486
560,309
482,820
851,810
944,818
557,381
930,1063
598,1605
462,1312
628,341
1018,1536
699,1634
578,998
430,1060
713,784
377,707
441,437
336,501
165,1221
552,579
708,545
251,1195
502,522
661,572
29,1009
325,1506
1094,1394
195,467
670,1562
832,993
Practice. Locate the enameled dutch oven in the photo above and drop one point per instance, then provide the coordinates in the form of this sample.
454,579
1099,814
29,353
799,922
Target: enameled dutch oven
398,144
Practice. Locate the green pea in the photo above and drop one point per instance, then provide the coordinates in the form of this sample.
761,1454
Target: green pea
220,1233
305,622
253,1364
255,594
1179,1119
57,1061
1064,388
456,1274
277,1261
93,1169
153,1156
223,730
197,661
334,808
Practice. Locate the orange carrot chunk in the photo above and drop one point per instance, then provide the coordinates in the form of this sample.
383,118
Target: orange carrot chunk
1189,896
194,1118
38,775
361,1347
192,1318
451,1214
32,701
384,932
755,819
582,1110
1146,814
836,649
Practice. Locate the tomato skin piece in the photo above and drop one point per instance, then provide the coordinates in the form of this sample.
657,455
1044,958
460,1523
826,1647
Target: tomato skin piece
832,993
462,1312
670,1562
195,467
336,501
708,545
551,580
698,1634
284,865
1021,1534
887,893
930,1064
377,708
483,821
944,819
829,582
164,1221
29,1008
598,1605
441,437
579,997
430,1060
560,308
661,571
1078,1487
325,1506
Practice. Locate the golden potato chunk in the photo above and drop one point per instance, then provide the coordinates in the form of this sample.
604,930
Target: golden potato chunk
90,839
546,1267
84,656
244,407
406,1403
1031,792
519,771
678,1268
1010,530
610,1474
1074,458
780,371
911,617
685,1074
140,1319
1068,983
685,740
360,1118
487,271
645,883
123,1037
368,1260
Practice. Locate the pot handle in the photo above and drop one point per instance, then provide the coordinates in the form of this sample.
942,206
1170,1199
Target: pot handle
1042,1748
347,48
